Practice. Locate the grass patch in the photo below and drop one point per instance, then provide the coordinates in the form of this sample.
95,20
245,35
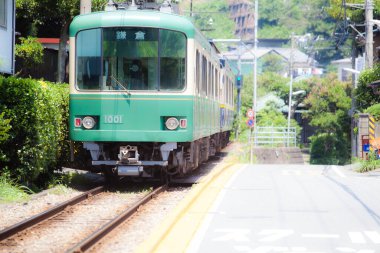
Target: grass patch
60,189
76,179
134,190
371,164
64,181
12,192
241,154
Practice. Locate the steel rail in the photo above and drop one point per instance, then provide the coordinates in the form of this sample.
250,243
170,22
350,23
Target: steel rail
107,228
38,218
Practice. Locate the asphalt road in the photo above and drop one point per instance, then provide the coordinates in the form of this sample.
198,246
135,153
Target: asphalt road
293,208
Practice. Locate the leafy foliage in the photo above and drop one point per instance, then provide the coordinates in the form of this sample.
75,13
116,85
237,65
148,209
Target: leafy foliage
374,110
271,115
356,15
329,149
273,63
220,27
329,102
10,191
278,19
38,137
371,163
4,129
44,18
364,94
30,51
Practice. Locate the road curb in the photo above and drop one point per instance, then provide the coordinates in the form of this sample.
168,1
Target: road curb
175,233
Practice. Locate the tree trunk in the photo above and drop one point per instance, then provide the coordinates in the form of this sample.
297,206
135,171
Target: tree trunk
62,54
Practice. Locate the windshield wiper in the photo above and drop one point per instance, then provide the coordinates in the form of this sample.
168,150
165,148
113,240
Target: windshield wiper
120,84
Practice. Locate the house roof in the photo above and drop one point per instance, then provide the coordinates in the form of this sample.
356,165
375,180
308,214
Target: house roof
48,40
248,54
51,43
345,60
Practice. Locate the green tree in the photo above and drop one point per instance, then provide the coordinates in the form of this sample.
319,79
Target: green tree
273,63
329,102
335,10
4,135
30,51
48,18
364,94
220,26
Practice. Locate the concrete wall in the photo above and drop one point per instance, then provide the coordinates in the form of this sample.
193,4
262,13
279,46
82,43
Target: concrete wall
7,39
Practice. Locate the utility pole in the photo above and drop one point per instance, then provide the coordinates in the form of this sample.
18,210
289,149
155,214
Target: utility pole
290,86
85,6
254,102
191,8
369,34
239,92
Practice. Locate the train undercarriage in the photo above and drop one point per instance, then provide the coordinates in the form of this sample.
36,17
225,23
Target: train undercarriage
153,159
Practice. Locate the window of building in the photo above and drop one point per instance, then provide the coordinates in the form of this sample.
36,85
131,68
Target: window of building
3,13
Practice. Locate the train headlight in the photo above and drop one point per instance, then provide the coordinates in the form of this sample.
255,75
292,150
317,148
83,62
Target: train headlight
88,122
172,123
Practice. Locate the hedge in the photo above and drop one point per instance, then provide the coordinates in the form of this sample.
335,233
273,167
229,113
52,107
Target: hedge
37,136
330,149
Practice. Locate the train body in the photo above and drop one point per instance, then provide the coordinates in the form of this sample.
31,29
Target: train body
148,93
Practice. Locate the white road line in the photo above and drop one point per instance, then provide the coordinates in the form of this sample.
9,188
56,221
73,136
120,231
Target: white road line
271,235
337,171
272,249
320,235
374,236
350,250
235,235
357,237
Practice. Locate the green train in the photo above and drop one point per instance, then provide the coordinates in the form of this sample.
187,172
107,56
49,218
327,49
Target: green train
149,94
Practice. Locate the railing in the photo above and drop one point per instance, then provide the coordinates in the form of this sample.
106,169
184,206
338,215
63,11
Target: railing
275,136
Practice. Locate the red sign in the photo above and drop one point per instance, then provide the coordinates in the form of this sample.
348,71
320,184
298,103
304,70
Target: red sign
250,114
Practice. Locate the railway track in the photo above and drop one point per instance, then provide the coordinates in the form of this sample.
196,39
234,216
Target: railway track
107,228
41,217
28,225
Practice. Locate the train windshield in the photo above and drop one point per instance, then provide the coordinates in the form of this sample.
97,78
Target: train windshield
130,59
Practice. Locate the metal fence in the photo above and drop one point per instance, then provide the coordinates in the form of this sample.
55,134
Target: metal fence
275,136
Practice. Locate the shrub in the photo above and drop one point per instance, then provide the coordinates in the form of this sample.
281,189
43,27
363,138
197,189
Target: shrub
38,116
371,164
374,110
4,128
10,191
30,51
329,149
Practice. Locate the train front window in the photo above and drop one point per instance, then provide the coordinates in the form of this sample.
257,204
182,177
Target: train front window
126,58
172,60
130,58
88,67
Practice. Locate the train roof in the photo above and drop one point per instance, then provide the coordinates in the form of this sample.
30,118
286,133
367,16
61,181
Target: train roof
139,18
142,18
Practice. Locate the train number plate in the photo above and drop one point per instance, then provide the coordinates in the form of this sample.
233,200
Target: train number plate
113,119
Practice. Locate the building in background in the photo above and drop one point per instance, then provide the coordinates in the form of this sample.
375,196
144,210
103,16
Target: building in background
303,64
242,13
7,36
